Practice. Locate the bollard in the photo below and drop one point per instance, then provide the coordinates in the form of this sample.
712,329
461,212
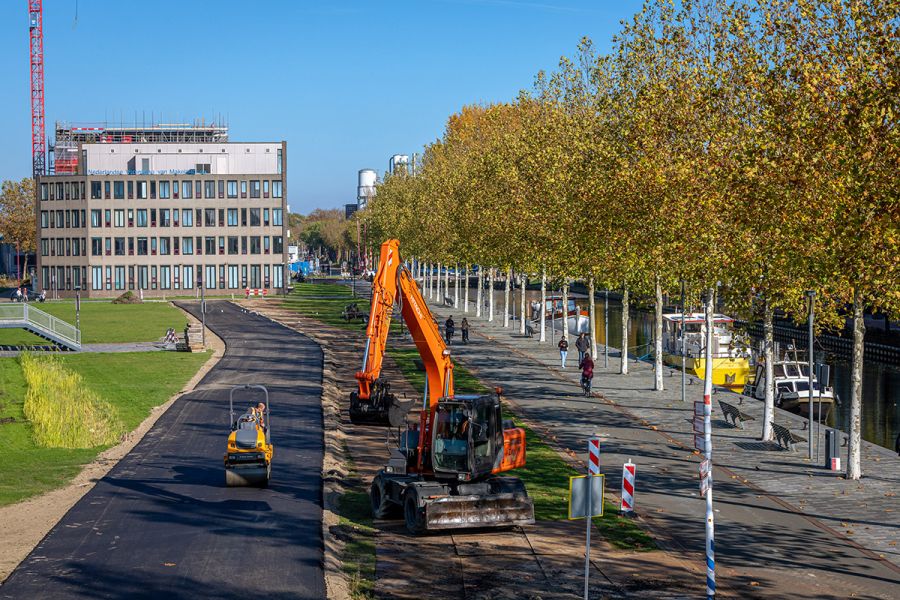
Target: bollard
832,450
628,470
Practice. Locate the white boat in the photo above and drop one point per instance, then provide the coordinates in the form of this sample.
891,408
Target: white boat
791,374
577,319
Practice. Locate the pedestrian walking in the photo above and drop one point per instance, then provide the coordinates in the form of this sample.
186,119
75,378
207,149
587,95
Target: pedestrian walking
464,327
563,351
18,294
587,373
449,327
582,344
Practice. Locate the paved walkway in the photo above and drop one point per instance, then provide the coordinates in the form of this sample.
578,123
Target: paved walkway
784,526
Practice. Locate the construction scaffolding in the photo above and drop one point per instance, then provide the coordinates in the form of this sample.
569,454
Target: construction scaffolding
65,147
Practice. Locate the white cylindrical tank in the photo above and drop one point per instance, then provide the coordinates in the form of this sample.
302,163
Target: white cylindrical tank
398,161
366,188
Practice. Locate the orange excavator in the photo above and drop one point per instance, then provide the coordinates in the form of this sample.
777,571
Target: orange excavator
444,472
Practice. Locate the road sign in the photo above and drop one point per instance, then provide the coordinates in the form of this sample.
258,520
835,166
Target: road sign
700,443
698,425
578,489
705,482
699,408
704,469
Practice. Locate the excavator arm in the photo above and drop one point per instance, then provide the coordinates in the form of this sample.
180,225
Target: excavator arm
393,283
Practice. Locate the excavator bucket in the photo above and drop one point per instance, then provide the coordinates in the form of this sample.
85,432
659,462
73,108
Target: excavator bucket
389,411
495,510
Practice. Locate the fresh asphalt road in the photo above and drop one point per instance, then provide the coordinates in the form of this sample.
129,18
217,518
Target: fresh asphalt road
162,523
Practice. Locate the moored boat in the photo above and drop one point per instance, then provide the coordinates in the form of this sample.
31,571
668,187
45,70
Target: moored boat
577,319
791,375
687,333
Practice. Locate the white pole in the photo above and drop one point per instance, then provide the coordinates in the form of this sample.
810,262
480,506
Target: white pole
543,312
491,276
506,297
592,315
522,303
456,287
466,300
480,292
707,439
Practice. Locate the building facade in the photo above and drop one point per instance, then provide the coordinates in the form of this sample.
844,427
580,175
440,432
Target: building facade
164,218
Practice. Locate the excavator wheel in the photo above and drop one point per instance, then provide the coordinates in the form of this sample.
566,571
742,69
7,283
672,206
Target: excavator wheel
382,507
412,513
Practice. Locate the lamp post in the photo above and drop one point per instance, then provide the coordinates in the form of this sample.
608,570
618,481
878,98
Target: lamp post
78,307
683,372
812,316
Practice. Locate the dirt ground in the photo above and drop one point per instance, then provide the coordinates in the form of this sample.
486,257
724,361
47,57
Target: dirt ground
543,561
26,523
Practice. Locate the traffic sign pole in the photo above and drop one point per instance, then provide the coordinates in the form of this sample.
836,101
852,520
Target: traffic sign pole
593,469
707,439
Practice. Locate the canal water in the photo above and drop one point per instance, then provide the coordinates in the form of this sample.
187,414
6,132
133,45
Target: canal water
881,382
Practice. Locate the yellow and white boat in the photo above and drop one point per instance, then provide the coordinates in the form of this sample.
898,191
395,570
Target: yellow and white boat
731,359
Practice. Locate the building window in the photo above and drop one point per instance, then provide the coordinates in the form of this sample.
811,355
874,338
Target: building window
198,189
254,217
163,190
164,248
143,279
131,246
106,186
187,218
153,190
232,189
130,190
188,278
142,190
266,217
243,244
276,189
209,190
243,189
45,219
243,217
278,244
277,276
209,245
119,190
210,277
187,189
266,188
187,245
266,246
95,190
232,277
96,278
221,188
221,245
202,168
254,189
152,217
232,217
164,220
120,217
45,191
120,246
254,276
175,190
165,277
45,247
176,249
120,278
142,249
233,244
280,161
131,217
221,217
145,166
142,217
277,217
209,217
254,244
153,246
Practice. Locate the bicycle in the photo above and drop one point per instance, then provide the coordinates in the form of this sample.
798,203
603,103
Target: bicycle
586,385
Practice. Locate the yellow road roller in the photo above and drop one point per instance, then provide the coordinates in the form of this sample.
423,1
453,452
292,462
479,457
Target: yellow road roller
248,459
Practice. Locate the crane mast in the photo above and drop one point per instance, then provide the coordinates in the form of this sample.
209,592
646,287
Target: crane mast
36,45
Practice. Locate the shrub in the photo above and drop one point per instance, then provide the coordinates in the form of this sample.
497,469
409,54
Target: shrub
62,410
127,298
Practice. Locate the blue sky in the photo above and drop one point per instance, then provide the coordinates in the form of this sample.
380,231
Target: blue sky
347,84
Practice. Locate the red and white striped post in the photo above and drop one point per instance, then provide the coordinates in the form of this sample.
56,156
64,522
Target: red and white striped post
628,470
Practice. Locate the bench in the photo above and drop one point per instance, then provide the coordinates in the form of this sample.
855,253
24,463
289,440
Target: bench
448,301
529,330
737,417
785,438
351,311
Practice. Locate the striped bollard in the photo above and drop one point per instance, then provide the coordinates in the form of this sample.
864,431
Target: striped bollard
594,456
627,487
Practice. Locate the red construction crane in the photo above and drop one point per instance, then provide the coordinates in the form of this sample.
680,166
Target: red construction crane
36,34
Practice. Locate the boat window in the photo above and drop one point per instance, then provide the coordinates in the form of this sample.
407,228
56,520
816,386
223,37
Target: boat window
803,386
779,371
792,370
785,387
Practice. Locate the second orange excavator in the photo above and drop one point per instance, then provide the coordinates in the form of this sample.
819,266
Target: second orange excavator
444,471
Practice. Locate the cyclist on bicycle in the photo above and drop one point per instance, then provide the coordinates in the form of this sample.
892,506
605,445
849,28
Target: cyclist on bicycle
587,373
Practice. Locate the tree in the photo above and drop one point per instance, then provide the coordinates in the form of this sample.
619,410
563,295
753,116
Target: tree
17,217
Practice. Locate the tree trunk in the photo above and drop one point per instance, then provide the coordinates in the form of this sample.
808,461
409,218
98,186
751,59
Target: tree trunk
506,297
592,315
466,301
446,282
542,312
456,288
859,332
769,356
657,339
438,297
564,324
522,304
480,292
623,369
491,275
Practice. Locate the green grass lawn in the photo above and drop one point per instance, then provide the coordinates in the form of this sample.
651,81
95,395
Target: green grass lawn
105,322
132,383
325,302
